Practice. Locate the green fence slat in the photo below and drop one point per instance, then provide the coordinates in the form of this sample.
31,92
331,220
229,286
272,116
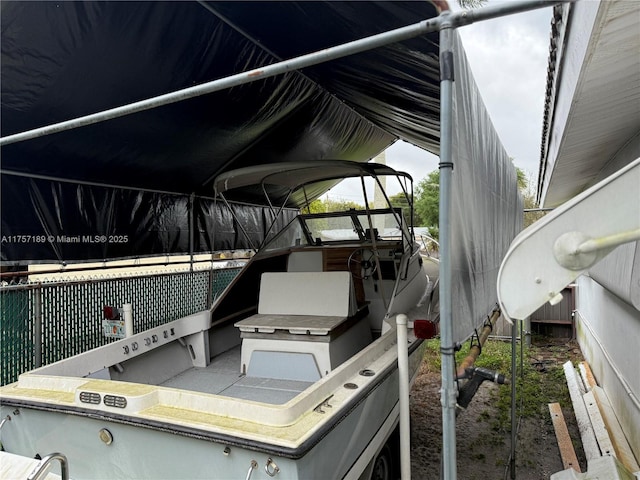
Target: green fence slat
72,312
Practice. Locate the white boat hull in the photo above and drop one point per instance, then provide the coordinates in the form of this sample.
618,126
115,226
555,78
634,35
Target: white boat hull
155,450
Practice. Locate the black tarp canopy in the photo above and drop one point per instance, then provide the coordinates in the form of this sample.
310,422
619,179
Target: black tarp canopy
148,176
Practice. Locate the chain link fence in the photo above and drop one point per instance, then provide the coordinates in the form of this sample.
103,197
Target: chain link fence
44,322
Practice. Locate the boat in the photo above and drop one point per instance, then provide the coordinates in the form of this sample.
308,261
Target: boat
292,373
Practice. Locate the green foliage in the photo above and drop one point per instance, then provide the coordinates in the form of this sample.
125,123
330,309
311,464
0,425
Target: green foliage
330,205
432,354
427,198
341,205
522,180
534,389
317,206
527,189
399,200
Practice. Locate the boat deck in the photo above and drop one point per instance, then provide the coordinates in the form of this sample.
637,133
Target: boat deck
222,377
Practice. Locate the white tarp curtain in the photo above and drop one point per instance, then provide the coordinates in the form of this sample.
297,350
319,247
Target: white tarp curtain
487,209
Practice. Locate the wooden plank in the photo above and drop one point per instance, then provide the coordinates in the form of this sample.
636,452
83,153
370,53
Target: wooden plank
567,452
599,428
587,376
618,438
589,443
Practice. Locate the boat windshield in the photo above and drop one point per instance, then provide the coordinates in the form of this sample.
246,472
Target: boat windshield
343,227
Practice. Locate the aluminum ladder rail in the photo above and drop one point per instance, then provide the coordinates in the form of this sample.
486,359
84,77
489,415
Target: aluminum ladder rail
40,470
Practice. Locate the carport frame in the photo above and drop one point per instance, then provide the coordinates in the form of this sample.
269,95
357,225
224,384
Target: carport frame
445,23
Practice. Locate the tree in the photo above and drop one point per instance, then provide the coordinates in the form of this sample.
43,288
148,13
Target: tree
528,198
329,205
521,178
427,199
399,200
317,206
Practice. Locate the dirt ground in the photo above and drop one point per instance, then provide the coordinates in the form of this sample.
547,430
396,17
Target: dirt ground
483,446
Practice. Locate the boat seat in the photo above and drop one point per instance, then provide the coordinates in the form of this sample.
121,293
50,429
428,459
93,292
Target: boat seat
307,324
307,293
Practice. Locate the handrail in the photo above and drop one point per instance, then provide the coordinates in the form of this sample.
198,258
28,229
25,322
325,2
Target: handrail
40,470
99,268
83,281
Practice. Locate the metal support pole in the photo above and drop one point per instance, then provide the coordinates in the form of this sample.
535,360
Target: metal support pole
610,241
521,322
37,326
127,311
403,380
210,297
40,469
191,230
514,433
447,348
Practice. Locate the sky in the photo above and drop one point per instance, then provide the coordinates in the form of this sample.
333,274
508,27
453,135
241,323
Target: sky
508,58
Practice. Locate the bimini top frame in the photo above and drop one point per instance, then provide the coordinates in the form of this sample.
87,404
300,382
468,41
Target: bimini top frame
295,175
294,178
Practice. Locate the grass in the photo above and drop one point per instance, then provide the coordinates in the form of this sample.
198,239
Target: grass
534,389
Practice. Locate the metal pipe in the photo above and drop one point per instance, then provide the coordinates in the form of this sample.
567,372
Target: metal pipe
4,420
276,215
521,322
191,230
374,247
37,326
100,268
403,380
252,467
449,393
246,235
467,17
502,337
610,363
127,313
527,210
475,350
514,427
603,243
39,471
297,63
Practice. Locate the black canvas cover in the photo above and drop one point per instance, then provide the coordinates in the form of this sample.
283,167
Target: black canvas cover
143,184
148,176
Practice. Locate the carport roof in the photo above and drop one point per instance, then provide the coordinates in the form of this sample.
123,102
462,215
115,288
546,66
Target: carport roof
62,60
593,96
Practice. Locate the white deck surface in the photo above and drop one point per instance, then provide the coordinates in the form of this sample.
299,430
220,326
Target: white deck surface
19,467
223,377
